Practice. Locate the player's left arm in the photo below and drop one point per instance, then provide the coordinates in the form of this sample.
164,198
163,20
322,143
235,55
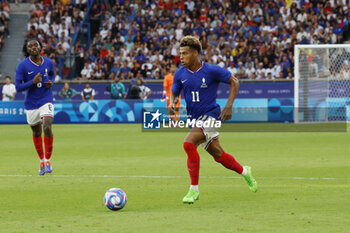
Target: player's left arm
226,113
49,83
176,89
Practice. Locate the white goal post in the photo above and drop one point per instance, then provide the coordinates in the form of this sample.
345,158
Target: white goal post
321,83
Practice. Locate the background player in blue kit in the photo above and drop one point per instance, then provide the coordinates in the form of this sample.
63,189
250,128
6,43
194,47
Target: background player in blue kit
199,82
35,75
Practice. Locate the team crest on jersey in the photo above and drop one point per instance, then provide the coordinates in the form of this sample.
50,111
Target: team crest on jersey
204,85
45,73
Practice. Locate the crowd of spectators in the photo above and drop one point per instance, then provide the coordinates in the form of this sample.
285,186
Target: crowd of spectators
140,39
4,18
53,23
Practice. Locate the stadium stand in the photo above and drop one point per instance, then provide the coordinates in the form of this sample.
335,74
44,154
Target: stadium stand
253,39
4,18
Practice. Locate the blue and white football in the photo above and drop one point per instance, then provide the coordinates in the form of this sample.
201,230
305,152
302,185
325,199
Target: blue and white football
115,199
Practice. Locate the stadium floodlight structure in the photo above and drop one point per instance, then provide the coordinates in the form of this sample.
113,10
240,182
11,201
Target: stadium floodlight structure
321,83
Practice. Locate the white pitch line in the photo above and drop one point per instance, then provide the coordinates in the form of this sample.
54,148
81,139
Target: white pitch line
177,177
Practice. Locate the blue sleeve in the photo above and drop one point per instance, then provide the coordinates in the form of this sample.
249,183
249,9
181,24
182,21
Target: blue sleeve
221,74
20,84
177,85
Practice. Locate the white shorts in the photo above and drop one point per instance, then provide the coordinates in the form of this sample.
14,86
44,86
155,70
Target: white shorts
210,133
35,116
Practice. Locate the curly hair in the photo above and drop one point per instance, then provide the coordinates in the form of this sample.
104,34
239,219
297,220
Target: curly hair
191,42
24,49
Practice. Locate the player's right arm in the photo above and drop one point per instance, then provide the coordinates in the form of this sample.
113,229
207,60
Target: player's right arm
20,84
226,113
175,93
174,98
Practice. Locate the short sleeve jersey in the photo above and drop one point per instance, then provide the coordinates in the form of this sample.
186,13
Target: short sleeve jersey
199,89
37,94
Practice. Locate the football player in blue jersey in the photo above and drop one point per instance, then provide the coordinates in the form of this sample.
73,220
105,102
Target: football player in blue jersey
35,74
199,82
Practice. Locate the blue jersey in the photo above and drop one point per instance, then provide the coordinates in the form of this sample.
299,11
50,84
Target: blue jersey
37,94
199,89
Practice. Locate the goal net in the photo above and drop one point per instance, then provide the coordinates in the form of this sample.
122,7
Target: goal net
321,83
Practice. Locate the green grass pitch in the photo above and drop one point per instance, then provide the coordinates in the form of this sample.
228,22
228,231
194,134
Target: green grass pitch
304,182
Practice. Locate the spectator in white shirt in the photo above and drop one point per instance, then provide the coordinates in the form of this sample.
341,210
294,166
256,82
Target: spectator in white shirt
302,33
302,16
63,31
276,69
145,92
31,23
8,90
190,5
317,27
148,64
97,73
64,44
179,32
111,18
285,12
250,70
290,23
220,62
44,25
260,71
273,27
232,68
104,31
156,57
86,71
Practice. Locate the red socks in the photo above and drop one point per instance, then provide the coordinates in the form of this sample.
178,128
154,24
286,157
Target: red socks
192,162
48,146
38,143
229,162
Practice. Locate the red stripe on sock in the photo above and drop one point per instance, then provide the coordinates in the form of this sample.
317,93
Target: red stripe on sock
229,162
193,162
48,147
38,143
